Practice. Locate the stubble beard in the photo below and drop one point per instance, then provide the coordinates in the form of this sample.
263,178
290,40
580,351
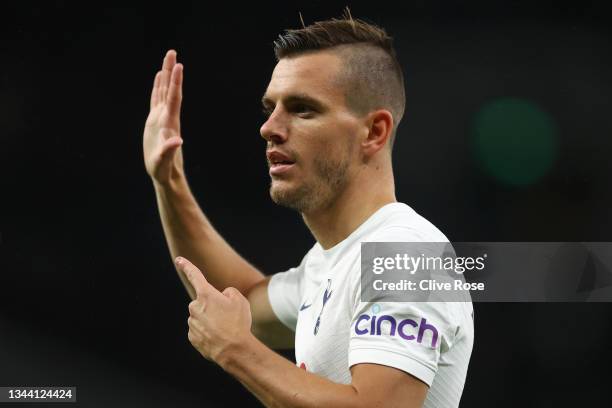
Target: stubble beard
331,178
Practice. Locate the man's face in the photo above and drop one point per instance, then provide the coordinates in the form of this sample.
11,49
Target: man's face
312,136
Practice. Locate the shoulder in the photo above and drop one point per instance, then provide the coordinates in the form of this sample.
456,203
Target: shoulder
400,223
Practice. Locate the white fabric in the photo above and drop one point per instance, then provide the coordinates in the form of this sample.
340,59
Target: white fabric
438,359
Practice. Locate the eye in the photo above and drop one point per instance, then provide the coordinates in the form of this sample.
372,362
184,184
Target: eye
303,110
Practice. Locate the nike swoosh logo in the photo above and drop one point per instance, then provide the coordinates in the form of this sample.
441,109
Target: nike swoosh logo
305,306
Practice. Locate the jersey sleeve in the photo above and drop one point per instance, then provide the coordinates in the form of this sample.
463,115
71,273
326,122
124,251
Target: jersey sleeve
284,293
409,336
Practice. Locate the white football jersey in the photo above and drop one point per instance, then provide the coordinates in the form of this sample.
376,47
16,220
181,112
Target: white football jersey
321,301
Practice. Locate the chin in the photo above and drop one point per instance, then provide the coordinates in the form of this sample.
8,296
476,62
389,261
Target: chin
294,197
280,191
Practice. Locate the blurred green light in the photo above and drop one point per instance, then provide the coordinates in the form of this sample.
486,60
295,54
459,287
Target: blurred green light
515,141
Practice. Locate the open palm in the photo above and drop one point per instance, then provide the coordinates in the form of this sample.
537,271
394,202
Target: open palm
162,135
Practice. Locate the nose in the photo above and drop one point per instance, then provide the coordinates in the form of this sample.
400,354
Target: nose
274,130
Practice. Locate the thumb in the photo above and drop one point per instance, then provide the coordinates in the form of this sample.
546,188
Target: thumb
171,145
232,293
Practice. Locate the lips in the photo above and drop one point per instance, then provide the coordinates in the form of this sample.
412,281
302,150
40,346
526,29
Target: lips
277,157
279,162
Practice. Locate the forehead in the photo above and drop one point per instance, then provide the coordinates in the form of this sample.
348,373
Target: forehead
315,74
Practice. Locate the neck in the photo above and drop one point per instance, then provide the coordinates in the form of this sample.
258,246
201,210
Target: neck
365,194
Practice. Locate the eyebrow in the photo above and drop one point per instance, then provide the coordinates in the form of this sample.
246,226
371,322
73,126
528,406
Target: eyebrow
294,99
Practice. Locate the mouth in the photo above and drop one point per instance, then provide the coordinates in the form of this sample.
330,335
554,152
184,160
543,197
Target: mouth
278,168
279,163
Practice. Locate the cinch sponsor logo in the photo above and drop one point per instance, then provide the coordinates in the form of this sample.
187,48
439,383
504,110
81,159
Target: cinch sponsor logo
396,328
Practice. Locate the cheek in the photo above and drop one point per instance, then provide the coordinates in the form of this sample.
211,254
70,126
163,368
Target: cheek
339,147
310,142
346,134
332,140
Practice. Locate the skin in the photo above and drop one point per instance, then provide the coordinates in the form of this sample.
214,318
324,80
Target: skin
327,132
230,319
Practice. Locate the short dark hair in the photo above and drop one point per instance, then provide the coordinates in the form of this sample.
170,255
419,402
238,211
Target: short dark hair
373,75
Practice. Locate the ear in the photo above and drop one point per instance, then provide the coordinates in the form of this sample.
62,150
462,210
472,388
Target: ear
380,127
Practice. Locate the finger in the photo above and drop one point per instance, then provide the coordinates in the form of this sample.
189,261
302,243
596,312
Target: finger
231,292
193,339
171,145
196,307
155,90
195,277
165,154
167,66
175,93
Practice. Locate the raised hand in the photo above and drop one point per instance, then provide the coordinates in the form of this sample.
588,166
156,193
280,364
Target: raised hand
162,135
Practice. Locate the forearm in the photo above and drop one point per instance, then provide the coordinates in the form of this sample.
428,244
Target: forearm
190,234
277,382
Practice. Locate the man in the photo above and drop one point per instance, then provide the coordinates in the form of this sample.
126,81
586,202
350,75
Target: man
334,102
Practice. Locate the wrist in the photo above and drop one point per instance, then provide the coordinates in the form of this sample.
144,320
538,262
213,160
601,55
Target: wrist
240,352
174,183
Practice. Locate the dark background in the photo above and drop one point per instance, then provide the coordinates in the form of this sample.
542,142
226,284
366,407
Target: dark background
88,294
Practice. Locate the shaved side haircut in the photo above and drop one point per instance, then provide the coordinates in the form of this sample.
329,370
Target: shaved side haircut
372,76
